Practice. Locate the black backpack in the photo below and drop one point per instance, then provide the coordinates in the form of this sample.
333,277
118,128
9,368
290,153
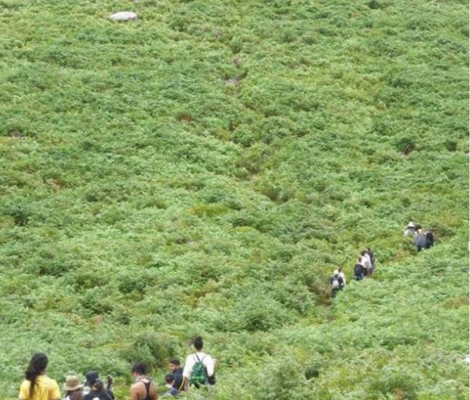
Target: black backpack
336,282
341,282
358,270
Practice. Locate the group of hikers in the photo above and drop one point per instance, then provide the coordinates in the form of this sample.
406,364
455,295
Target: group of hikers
421,239
365,267
198,372
365,264
199,368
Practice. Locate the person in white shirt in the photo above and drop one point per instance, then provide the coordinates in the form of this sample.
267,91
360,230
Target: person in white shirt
340,273
410,230
366,262
338,281
193,359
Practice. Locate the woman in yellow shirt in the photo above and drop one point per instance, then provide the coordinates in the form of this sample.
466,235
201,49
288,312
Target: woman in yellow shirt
37,385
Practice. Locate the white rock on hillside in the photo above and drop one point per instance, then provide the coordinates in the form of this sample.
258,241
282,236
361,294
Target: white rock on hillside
123,16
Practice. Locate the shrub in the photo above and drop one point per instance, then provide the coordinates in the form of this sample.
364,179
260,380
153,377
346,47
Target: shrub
208,210
94,301
403,385
450,145
405,145
154,349
19,212
281,380
249,316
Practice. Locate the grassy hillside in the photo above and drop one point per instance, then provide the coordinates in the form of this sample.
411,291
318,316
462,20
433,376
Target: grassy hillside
203,171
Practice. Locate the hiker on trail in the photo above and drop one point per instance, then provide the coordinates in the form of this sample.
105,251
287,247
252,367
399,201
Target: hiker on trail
37,385
366,262
199,367
338,281
372,259
410,230
73,388
144,388
429,236
359,270
169,383
96,389
341,274
177,372
420,240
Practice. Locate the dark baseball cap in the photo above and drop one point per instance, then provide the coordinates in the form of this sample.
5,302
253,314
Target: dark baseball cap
91,378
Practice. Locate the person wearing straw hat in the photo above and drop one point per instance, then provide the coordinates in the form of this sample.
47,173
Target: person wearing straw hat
73,388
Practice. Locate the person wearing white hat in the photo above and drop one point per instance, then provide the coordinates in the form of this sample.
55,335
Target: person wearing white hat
73,388
410,230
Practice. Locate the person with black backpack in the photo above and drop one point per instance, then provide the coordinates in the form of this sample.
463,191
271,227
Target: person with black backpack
199,368
420,240
359,270
429,236
338,281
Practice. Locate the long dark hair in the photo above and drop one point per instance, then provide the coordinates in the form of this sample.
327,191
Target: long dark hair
75,395
36,367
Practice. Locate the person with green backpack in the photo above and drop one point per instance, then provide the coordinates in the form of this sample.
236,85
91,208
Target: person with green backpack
199,368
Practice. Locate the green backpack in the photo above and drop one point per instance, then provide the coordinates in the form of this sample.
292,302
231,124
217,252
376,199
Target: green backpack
198,373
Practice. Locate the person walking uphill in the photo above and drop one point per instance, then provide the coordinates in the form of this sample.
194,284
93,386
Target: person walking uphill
372,259
429,236
366,262
359,270
420,240
199,367
144,388
410,230
338,281
37,385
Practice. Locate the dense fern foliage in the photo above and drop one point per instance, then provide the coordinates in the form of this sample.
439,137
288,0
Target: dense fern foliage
204,170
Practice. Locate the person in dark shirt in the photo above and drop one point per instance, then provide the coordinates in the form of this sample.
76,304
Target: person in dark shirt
420,240
177,371
359,270
372,259
97,389
170,382
429,236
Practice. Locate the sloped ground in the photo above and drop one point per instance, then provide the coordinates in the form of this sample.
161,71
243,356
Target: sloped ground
205,169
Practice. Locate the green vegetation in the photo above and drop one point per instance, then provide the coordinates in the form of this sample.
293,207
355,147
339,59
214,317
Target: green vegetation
203,171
